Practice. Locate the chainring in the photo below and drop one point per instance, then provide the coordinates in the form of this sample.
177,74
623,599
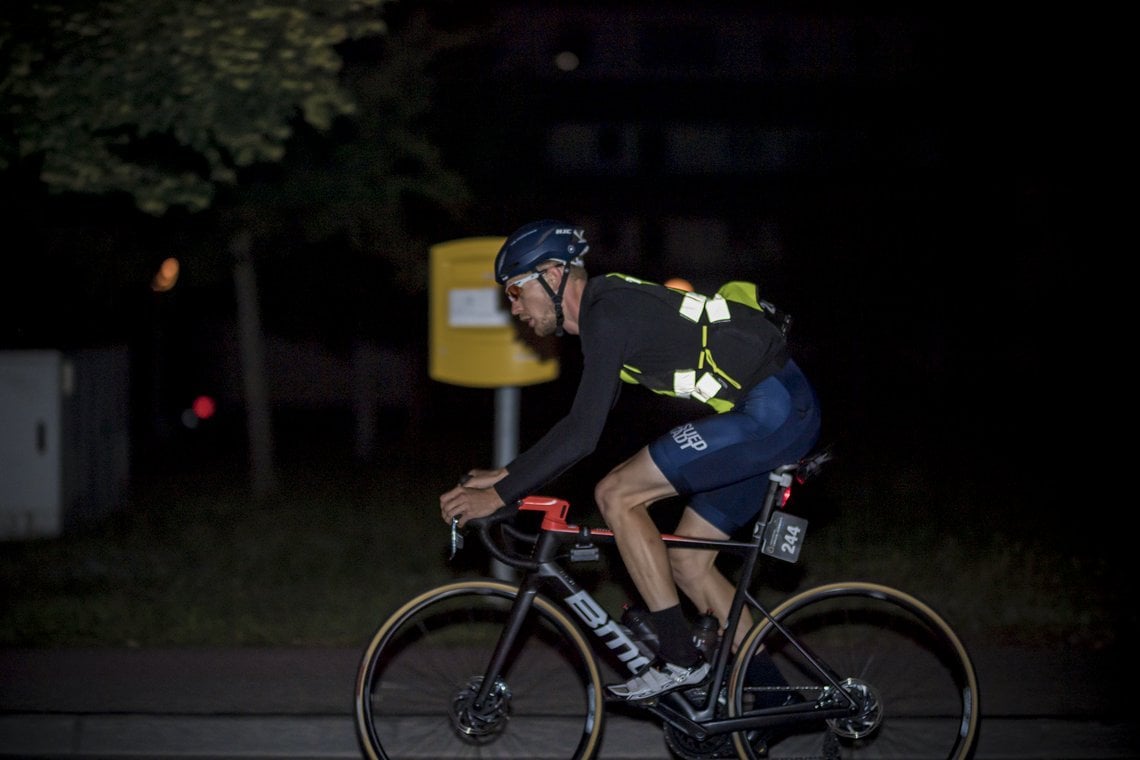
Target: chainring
684,746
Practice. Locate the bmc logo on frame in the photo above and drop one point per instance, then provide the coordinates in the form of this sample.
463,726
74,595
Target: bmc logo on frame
605,628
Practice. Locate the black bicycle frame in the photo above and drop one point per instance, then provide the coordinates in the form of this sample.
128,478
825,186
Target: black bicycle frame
543,567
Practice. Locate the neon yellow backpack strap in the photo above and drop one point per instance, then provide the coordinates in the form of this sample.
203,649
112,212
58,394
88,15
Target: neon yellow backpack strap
748,294
742,292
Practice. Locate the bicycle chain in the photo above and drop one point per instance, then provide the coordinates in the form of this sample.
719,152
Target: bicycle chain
721,747
796,689
830,747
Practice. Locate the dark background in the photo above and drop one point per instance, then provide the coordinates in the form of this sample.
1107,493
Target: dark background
924,233
909,183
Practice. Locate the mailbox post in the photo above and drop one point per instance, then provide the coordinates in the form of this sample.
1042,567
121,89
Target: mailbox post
473,342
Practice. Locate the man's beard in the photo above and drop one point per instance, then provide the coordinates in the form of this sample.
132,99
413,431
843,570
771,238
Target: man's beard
545,325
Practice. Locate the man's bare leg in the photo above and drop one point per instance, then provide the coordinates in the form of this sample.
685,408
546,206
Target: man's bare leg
624,497
695,572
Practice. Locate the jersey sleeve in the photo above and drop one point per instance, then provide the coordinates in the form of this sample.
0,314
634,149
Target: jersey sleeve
577,434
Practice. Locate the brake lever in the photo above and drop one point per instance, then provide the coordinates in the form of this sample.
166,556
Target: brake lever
456,538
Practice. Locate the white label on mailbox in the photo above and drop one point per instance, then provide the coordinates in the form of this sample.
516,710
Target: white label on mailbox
476,307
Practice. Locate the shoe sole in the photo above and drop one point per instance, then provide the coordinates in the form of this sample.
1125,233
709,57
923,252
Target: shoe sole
654,697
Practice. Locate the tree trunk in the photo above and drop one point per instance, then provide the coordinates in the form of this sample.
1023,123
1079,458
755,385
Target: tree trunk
251,343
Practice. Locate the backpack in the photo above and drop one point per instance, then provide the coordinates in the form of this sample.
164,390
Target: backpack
748,294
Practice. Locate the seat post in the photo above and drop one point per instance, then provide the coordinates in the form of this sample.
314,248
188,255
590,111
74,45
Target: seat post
779,480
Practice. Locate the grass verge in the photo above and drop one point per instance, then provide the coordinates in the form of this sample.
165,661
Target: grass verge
193,561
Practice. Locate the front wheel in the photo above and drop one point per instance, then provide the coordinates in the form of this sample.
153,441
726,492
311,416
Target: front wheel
419,676
908,681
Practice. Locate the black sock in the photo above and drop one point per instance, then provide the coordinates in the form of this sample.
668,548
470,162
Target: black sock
676,639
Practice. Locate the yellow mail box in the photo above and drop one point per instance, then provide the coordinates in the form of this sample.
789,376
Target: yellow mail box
474,341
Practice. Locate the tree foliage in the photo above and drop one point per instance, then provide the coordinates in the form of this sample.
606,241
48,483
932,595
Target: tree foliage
380,185
166,100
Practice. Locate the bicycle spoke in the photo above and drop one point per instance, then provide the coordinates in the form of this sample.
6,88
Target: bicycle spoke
421,674
914,685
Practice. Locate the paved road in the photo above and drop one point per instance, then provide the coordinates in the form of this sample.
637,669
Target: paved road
297,703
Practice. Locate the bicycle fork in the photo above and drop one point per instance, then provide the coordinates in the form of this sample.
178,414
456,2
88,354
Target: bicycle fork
587,609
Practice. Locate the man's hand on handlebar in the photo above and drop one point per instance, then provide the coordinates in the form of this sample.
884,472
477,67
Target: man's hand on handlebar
473,498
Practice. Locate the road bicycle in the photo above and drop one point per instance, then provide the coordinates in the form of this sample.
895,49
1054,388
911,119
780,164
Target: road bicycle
494,668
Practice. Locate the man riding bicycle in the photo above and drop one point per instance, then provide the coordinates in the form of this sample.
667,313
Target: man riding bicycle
722,350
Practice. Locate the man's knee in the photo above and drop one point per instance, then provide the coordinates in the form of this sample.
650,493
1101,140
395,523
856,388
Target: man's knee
608,497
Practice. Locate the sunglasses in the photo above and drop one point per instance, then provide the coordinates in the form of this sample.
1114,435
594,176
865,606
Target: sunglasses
514,290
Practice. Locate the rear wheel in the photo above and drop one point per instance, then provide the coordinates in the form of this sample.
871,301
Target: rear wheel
418,680
906,679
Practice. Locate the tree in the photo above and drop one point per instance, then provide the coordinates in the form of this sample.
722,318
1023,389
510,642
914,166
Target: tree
164,101
370,184
168,102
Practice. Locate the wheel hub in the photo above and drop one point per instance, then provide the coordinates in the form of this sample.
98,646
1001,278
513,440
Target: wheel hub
480,724
867,715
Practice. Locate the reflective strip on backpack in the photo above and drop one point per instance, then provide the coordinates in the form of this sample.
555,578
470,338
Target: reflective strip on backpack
684,381
707,387
702,383
717,309
692,305
686,384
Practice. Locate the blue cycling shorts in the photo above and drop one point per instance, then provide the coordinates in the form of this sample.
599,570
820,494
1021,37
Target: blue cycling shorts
721,462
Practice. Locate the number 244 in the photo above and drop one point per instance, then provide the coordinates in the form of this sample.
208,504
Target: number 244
791,538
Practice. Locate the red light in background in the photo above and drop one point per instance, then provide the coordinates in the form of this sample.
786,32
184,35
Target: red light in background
204,407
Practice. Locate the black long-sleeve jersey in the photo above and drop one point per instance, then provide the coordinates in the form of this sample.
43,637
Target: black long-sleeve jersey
670,341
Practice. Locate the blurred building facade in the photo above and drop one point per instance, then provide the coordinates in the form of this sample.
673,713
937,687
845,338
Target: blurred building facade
685,136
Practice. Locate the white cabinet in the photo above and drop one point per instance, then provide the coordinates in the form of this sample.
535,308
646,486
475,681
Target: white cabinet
64,439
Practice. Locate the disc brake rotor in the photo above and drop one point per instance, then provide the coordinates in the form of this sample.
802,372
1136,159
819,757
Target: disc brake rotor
481,724
869,716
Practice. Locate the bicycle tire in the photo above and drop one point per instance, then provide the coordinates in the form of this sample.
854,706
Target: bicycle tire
419,667
914,677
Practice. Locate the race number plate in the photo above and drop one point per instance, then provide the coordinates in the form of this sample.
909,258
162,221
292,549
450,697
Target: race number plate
784,537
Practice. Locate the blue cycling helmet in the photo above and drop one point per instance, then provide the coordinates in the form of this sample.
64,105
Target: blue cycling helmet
536,242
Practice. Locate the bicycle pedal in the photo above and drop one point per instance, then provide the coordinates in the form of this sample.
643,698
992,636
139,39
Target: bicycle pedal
647,702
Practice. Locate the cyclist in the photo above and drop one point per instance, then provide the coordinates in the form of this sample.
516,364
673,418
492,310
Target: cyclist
722,350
